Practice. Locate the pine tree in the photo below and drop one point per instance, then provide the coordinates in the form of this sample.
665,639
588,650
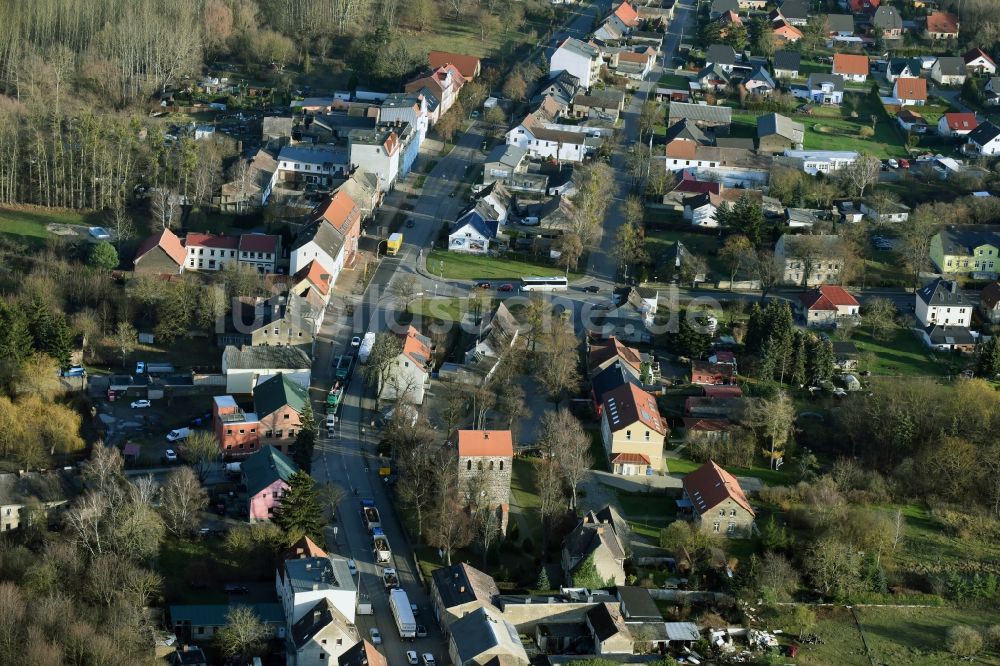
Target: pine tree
60,342
798,369
754,339
305,440
300,511
586,574
543,583
16,341
39,323
748,219
988,361
819,364
687,341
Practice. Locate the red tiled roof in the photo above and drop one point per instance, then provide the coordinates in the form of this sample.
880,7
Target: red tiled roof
827,297
258,243
710,485
167,240
630,459
497,443
945,22
731,17
973,54
722,391
317,275
866,6
468,66
632,56
697,186
211,240
908,88
627,15
847,63
612,348
415,348
706,425
786,30
339,210
628,404
961,122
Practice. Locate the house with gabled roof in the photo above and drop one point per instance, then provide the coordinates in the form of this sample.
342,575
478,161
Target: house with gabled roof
822,89
717,503
485,459
459,589
633,431
786,64
409,375
850,66
707,373
542,138
468,66
839,25
713,77
320,636
579,58
795,12
362,654
313,283
602,354
760,83
957,124
777,133
989,303
484,636
245,366
706,429
911,121
444,82
785,32
279,403
910,91
888,20
284,319
826,305
608,628
972,249
498,332
985,139
720,7
266,475
721,55
160,254
949,71
303,582
978,61
473,232
863,6
942,25
943,302
602,535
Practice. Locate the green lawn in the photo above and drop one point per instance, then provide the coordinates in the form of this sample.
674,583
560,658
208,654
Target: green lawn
674,81
702,245
903,354
29,222
647,514
447,309
597,451
768,476
461,266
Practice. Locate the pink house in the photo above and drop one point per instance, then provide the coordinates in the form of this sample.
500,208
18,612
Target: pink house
266,474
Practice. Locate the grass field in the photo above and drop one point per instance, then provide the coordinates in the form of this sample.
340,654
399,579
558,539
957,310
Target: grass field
658,244
914,636
460,266
768,476
902,355
29,222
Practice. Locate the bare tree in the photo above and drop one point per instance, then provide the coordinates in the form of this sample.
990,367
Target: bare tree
772,420
243,635
449,524
125,338
183,499
559,370
563,436
381,359
165,207
418,463
570,248
862,173
330,496
407,288
122,226
201,451
551,499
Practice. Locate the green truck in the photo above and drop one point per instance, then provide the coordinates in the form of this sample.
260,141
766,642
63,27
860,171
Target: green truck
333,398
343,367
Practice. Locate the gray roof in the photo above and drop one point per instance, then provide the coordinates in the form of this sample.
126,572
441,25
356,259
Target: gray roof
323,234
943,292
950,65
700,112
985,133
265,357
775,123
794,9
597,530
713,71
963,239
507,155
400,100
816,80
949,335
461,584
310,154
317,618
328,573
897,66
887,18
17,490
840,23
607,621
682,631
637,603
483,630
580,48
721,54
787,60
723,6
760,73
686,129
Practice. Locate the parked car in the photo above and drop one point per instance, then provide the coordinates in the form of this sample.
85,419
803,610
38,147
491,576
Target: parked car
179,434
356,341
428,659
506,287
893,164
483,285
204,419
169,456
376,636
411,658
416,609
353,567
140,367
140,404
74,371
421,631
592,289
904,164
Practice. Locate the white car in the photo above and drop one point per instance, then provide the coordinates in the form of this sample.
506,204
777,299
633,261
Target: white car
140,404
893,164
140,367
179,434
428,659
352,565
170,456
356,341
376,636
411,658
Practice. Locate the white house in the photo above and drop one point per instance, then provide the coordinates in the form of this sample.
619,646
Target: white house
910,91
957,124
985,139
302,582
406,107
377,150
822,89
410,374
823,161
701,209
851,67
581,59
826,304
320,636
542,141
312,165
949,71
942,302
889,211
979,62
472,232
319,242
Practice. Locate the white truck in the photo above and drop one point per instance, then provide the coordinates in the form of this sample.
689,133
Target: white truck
403,613
380,547
365,350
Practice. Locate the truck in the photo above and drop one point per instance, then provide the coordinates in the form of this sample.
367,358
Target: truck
393,244
370,514
390,578
380,546
333,397
364,601
403,614
343,367
365,350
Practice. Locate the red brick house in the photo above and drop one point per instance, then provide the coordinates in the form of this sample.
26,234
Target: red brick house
237,432
468,66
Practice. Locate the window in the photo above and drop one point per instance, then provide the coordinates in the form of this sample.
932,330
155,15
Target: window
286,417
715,527
468,465
647,435
501,465
722,512
268,433
323,642
479,465
277,433
732,512
291,432
628,434
201,630
731,528
491,465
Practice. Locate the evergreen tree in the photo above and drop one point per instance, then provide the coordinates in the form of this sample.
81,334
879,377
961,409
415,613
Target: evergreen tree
988,361
60,342
103,256
16,340
543,580
39,323
748,219
300,511
305,440
819,365
687,341
767,364
797,374
586,574
754,339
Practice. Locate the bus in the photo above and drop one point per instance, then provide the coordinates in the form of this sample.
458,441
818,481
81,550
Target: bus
544,284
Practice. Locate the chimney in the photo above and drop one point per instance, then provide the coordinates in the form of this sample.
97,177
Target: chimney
461,589
954,286
586,519
315,587
316,616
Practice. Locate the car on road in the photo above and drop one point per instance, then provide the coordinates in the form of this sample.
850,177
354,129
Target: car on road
474,114
428,659
376,636
893,164
411,658
169,456
140,367
483,285
421,631
74,371
179,434
356,341
415,608
592,289
140,404
410,223
352,567
506,287
904,164
451,195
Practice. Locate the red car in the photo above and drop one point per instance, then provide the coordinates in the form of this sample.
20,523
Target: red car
904,164
506,287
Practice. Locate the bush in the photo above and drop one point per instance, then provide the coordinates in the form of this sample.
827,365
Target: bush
964,640
992,637
866,132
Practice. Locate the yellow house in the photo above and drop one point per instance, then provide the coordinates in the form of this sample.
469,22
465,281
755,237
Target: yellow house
633,431
971,249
